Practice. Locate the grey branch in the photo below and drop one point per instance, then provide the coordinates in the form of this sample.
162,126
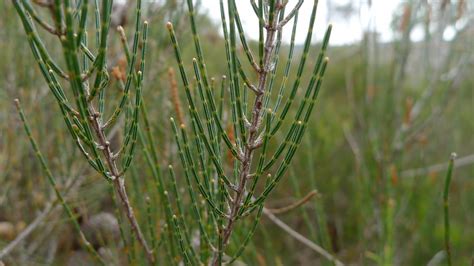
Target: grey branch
310,244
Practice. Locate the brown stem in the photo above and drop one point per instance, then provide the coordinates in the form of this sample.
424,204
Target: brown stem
294,205
246,161
119,183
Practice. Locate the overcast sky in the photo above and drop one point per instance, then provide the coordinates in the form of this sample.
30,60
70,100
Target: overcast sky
345,29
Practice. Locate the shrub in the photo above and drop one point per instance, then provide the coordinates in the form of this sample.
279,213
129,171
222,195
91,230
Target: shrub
225,183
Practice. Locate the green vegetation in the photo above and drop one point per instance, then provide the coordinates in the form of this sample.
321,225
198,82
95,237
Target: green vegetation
246,157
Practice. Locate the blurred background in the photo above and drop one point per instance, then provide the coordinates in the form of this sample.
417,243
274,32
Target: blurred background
396,102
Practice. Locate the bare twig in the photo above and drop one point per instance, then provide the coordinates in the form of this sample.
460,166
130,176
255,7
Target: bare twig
51,206
290,15
28,230
463,161
294,205
310,244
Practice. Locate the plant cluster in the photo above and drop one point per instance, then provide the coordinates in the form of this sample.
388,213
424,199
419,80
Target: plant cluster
255,119
376,153
224,146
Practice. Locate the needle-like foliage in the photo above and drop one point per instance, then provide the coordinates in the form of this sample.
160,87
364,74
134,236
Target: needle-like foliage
79,87
232,194
224,146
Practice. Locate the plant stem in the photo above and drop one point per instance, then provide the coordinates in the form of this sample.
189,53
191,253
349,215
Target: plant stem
302,239
119,182
253,134
446,207
87,245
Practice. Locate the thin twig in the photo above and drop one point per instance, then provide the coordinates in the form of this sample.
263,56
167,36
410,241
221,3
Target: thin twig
28,230
294,205
310,244
463,161
51,206
119,183
290,15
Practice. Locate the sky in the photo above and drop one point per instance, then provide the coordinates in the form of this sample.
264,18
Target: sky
346,30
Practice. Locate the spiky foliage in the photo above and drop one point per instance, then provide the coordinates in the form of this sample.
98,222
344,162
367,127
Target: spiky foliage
80,86
232,193
224,146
